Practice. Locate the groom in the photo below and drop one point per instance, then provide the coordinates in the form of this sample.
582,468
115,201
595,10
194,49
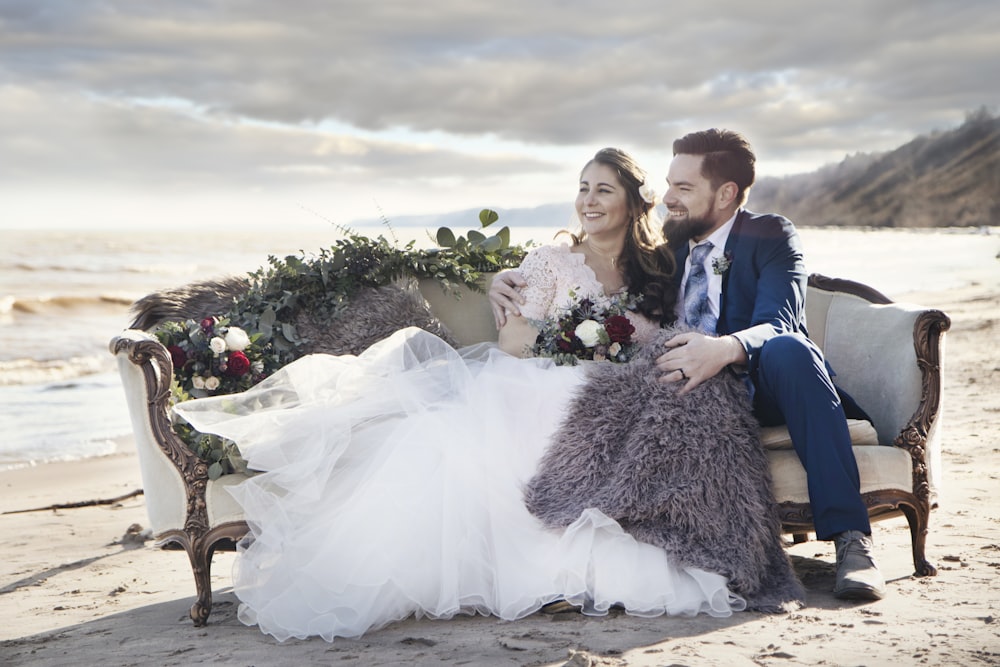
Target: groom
744,285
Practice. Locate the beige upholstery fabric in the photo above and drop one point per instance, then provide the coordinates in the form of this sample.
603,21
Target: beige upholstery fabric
870,348
880,467
163,486
776,437
221,506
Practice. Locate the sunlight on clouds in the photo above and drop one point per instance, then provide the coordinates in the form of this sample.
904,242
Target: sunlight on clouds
440,106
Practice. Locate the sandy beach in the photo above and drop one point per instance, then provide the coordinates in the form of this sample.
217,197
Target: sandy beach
73,591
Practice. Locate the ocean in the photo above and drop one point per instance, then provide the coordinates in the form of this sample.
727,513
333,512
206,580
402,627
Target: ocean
65,294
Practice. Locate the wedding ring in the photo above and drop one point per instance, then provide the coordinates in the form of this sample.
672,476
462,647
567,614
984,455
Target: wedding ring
683,376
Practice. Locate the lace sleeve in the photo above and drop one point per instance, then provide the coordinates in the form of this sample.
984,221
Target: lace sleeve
540,269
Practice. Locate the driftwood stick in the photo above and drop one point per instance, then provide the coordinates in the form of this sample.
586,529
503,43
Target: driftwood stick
82,503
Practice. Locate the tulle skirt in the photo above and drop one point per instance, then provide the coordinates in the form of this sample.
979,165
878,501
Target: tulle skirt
392,487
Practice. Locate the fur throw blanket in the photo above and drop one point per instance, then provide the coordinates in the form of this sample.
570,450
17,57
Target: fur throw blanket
374,313
684,473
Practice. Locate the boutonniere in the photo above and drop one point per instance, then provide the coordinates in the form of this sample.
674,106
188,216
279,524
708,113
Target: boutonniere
721,264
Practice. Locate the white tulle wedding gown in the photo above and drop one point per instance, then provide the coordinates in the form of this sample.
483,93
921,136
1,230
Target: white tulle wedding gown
393,488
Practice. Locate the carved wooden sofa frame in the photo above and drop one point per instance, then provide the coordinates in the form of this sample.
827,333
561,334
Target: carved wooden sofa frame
887,355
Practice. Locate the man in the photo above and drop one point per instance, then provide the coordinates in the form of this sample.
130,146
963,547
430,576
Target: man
743,285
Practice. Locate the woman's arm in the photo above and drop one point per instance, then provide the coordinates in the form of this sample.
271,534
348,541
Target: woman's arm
517,335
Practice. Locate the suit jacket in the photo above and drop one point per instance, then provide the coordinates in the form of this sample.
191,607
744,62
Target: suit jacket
764,288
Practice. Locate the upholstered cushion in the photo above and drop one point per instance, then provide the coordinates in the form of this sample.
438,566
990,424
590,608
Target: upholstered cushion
219,503
776,437
880,467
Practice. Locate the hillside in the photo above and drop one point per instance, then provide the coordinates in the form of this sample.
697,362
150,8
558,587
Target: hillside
949,178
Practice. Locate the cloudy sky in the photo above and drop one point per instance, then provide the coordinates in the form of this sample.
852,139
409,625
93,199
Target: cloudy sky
115,112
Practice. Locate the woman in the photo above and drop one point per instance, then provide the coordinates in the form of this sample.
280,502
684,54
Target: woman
394,480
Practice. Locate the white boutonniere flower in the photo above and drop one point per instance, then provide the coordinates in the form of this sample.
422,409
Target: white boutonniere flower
721,264
212,383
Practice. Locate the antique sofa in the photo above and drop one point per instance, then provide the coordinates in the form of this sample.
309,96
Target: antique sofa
887,355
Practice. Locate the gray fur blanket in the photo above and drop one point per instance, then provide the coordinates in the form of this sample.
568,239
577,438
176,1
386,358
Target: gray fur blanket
684,473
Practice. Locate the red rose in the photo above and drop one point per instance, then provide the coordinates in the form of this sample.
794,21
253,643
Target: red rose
238,365
619,329
178,357
208,324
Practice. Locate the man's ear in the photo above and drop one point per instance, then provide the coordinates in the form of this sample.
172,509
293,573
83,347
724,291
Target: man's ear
726,194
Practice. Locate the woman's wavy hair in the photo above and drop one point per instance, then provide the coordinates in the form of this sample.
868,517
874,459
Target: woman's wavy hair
647,261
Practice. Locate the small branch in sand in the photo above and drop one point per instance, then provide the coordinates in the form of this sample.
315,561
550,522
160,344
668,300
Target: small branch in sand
82,503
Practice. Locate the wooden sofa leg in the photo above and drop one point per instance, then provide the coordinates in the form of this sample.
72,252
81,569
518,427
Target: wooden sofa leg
799,538
200,554
918,517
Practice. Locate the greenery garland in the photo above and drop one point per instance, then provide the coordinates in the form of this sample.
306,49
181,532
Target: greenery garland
324,284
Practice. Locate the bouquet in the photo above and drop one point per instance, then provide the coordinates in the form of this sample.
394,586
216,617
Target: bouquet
588,331
212,357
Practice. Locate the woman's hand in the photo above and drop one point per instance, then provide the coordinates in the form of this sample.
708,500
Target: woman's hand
504,295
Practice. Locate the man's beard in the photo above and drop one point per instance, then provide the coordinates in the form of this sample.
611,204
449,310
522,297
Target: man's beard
680,231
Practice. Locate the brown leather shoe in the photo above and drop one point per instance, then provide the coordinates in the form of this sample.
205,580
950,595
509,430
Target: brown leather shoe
858,576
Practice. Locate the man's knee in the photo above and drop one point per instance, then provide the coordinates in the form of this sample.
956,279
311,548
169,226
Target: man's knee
789,350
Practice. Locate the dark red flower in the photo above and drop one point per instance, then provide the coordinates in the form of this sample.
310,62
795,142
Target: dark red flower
208,324
238,365
619,329
178,357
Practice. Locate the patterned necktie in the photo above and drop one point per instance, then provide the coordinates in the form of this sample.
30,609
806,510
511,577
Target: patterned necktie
697,308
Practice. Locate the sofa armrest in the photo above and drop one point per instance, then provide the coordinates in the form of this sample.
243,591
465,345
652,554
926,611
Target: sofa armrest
174,478
888,356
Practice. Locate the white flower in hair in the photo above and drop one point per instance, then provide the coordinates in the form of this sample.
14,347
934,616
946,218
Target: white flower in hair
647,193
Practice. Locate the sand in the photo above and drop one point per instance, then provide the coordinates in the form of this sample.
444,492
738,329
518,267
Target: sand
73,591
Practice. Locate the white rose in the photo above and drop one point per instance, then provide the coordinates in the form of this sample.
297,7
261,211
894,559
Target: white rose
212,383
589,332
218,345
237,339
198,382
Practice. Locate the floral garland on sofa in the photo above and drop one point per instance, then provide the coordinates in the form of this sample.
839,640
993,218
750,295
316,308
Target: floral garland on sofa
232,351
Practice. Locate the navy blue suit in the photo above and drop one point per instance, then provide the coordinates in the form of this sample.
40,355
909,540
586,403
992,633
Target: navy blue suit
763,306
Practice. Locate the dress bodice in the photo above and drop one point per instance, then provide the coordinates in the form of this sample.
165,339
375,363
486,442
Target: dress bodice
557,277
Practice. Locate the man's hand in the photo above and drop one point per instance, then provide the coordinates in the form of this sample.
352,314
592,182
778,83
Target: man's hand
504,296
694,357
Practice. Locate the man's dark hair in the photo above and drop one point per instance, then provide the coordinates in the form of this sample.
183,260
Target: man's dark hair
728,157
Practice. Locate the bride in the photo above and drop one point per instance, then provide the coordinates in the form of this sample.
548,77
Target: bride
393,481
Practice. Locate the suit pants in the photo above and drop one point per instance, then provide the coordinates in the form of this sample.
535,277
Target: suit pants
793,386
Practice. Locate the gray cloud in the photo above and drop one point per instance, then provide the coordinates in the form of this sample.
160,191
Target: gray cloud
195,89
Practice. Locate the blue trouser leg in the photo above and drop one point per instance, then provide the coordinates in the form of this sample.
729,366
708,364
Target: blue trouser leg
792,386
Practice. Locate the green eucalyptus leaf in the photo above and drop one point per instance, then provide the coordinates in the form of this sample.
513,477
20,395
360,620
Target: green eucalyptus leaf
487,217
504,236
445,237
266,322
476,238
215,470
289,332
